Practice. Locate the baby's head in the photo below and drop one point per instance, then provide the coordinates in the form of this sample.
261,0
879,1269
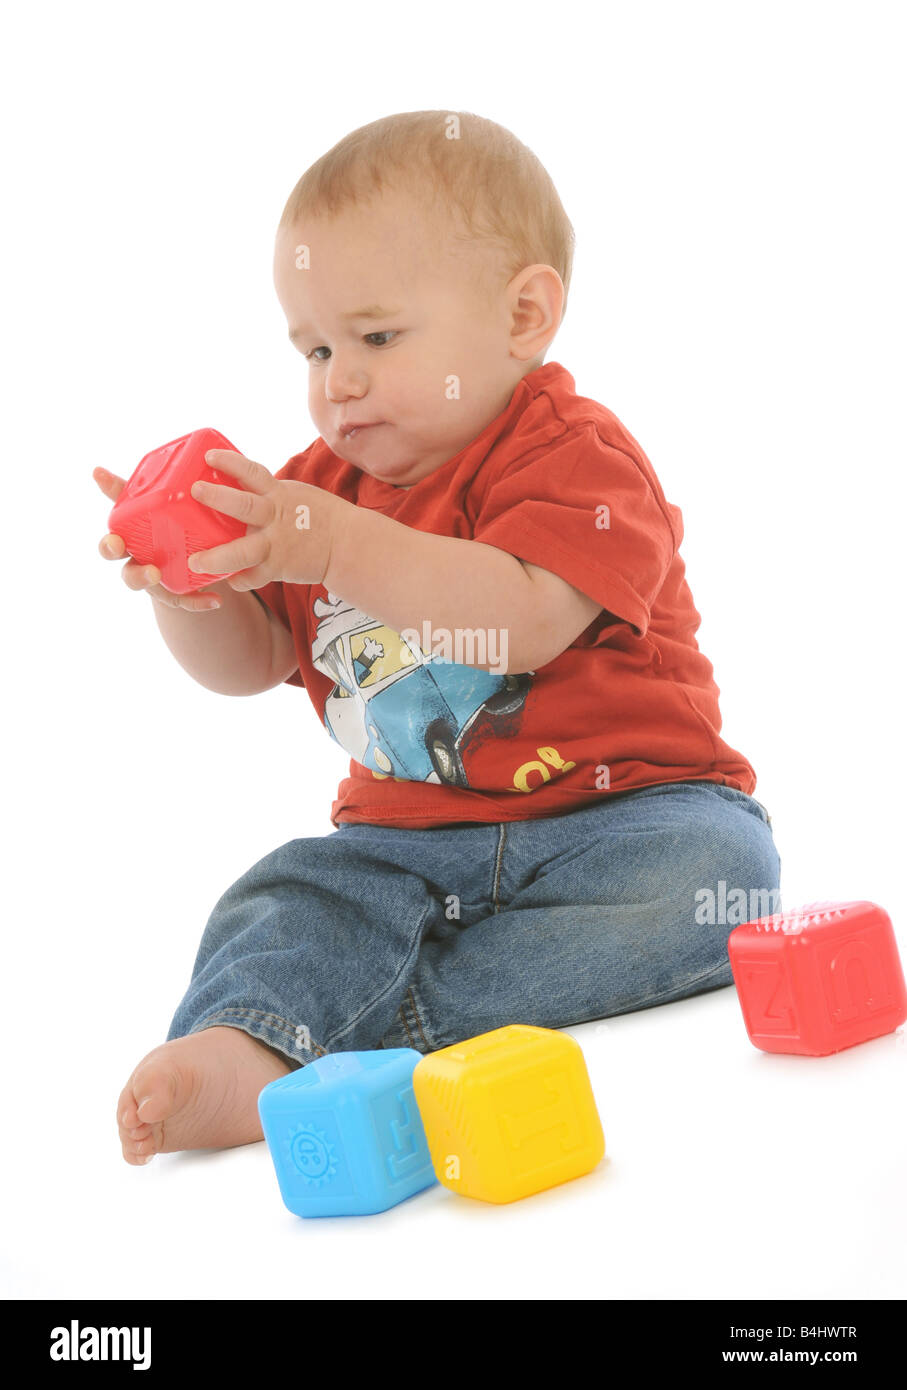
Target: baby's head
450,234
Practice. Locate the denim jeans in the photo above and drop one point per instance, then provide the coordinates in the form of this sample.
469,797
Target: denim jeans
372,937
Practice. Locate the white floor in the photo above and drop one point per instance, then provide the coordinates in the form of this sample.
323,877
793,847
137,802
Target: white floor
728,1174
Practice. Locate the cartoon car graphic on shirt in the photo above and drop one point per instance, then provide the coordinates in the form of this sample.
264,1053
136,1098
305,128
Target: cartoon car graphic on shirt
400,711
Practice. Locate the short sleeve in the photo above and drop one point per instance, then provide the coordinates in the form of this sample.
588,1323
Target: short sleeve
591,513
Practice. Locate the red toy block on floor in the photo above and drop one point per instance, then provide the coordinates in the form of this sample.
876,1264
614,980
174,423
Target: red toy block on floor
819,979
160,521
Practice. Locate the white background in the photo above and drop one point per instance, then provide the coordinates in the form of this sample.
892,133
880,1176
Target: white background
734,174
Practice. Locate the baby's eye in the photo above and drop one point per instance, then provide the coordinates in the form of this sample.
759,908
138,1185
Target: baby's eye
385,333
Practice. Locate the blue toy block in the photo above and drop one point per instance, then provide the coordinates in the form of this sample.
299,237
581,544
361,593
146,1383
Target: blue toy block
345,1133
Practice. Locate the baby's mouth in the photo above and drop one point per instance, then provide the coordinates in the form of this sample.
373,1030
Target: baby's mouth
351,433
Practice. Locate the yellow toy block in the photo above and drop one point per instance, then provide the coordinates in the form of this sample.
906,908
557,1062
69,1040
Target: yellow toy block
508,1113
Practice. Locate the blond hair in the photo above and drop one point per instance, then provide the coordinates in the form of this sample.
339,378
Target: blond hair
498,190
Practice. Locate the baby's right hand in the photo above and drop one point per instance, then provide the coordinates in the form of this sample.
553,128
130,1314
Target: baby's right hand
146,577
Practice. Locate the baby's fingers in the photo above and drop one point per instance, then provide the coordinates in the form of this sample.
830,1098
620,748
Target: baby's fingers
148,577
136,576
108,482
112,547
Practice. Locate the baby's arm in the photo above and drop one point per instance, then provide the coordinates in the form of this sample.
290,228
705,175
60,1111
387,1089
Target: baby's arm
405,577
240,648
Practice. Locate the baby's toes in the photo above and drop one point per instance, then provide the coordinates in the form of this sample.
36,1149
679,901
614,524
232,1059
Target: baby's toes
156,1088
140,1145
127,1110
141,1136
140,1142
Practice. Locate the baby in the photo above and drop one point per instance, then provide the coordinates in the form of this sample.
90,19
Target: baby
475,576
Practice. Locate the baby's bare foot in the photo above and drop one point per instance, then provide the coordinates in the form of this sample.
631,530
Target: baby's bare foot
196,1092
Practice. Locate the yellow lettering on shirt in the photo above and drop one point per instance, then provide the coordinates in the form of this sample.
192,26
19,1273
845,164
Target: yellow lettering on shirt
551,757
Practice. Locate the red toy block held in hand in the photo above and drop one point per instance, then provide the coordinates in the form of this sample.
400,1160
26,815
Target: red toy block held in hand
160,521
819,979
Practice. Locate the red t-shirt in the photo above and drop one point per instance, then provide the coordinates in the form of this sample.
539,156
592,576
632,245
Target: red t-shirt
557,480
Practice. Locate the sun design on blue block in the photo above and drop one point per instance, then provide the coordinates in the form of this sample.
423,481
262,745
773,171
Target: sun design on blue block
312,1155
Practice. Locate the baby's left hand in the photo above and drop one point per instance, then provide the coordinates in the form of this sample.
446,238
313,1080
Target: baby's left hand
291,526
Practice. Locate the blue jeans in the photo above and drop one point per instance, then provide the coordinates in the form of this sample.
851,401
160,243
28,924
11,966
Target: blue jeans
372,937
